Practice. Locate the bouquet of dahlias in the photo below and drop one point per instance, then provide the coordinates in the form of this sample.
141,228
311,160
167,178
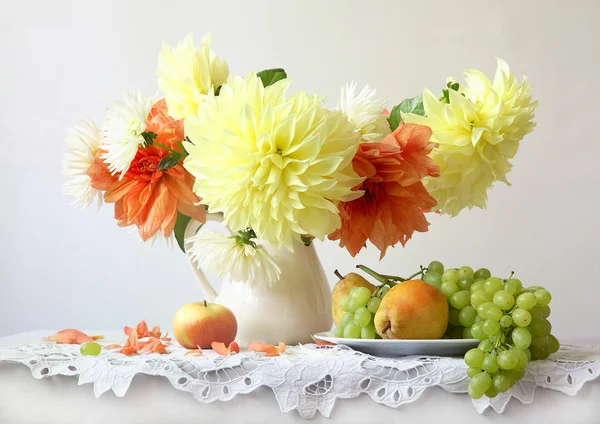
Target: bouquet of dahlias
281,168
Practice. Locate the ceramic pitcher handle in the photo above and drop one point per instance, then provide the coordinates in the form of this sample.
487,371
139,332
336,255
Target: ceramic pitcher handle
209,292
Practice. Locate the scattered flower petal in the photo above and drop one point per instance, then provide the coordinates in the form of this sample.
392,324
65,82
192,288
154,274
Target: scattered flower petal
72,336
220,348
194,352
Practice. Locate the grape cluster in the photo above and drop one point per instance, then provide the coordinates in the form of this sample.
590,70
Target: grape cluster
360,306
510,321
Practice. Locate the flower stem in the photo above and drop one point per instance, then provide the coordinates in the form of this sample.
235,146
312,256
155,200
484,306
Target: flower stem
168,149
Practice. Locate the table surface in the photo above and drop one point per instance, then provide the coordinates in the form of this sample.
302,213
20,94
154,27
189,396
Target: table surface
59,399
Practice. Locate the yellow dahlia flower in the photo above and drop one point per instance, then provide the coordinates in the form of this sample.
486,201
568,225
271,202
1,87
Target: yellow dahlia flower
186,74
477,132
277,165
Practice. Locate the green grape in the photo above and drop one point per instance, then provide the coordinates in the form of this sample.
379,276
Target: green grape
339,331
528,354
506,321
466,271
514,375
450,275
501,382
491,392
433,278
526,301
490,363
478,297
485,345
477,285
513,286
347,318
504,300
477,331
543,297
482,273
521,317
545,311
493,284
540,352
466,333
539,341
467,315
360,295
540,326
449,288
536,313
521,358
491,327
353,306
521,337
436,266
507,360
368,332
344,304
383,291
465,283
481,382
362,317
461,299
474,358
373,304
90,349
453,317
482,309
494,313
472,371
351,331
553,344
474,393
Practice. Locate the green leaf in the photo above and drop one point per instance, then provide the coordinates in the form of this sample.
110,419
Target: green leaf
271,76
149,137
306,240
169,161
179,230
412,105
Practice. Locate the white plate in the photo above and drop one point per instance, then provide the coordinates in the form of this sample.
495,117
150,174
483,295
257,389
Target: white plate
392,348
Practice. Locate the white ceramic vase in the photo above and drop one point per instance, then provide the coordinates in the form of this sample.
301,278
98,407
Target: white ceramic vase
292,310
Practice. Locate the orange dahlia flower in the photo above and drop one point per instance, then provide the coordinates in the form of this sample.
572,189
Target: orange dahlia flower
393,205
145,196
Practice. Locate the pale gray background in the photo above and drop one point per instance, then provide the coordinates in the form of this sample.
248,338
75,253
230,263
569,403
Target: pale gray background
62,61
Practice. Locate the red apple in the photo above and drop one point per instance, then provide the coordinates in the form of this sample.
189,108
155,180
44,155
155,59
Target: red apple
201,323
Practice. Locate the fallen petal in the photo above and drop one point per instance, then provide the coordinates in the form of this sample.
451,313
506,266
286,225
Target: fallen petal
70,336
234,347
281,348
220,348
260,347
194,352
113,346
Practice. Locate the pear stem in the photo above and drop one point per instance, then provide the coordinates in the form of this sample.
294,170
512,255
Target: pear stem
381,278
205,304
338,275
386,327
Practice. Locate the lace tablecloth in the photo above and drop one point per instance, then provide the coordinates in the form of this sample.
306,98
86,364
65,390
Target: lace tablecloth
307,378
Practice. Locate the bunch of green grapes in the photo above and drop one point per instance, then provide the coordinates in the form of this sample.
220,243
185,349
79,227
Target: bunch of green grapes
510,321
360,306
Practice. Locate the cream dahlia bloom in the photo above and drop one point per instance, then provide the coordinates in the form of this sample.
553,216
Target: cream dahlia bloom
227,256
365,111
186,74
122,133
276,165
478,132
83,142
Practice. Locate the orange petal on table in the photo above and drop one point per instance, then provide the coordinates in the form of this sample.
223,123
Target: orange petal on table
154,346
155,332
166,337
234,347
129,351
260,347
142,329
113,346
128,330
281,348
319,342
220,348
131,346
70,336
194,352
